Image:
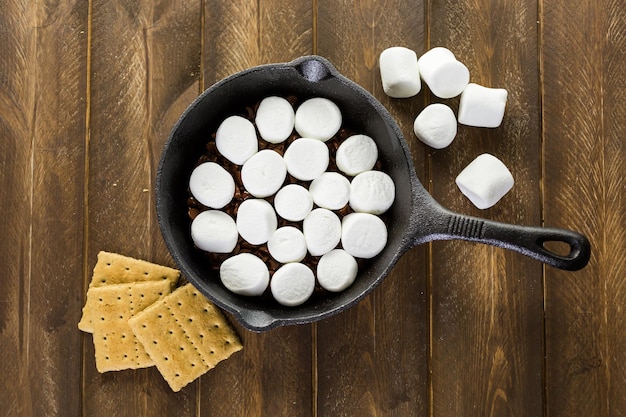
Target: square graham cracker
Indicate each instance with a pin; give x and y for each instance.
(112, 268)
(185, 335)
(116, 346)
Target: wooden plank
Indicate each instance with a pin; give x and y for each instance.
(17, 112)
(486, 302)
(583, 120)
(144, 71)
(272, 375)
(56, 284)
(373, 358)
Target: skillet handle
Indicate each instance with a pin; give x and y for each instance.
(528, 240)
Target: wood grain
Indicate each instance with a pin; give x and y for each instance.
(584, 92)
(272, 375)
(372, 359)
(18, 47)
(137, 77)
(486, 308)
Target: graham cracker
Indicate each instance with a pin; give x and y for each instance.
(185, 335)
(113, 268)
(116, 346)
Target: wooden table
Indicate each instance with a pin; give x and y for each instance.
(89, 91)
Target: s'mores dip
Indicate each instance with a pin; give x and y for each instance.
(287, 202)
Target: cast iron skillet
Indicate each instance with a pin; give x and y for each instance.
(415, 216)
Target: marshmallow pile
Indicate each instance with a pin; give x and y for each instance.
(486, 179)
(300, 194)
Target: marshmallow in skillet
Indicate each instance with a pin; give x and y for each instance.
(212, 185)
(306, 158)
(356, 154)
(322, 231)
(318, 118)
(482, 106)
(275, 119)
(363, 235)
(436, 125)
(485, 181)
(292, 284)
(264, 173)
(214, 231)
(293, 202)
(256, 221)
(287, 244)
(372, 192)
(236, 139)
(399, 72)
(245, 274)
(331, 190)
(336, 270)
(445, 76)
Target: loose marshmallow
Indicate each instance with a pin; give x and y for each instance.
(275, 119)
(212, 185)
(292, 284)
(245, 274)
(318, 118)
(236, 139)
(306, 158)
(372, 192)
(293, 202)
(330, 190)
(399, 72)
(436, 125)
(356, 154)
(256, 221)
(287, 244)
(363, 235)
(445, 76)
(264, 173)
(482, 106)
(322, 231)
(214, 231)
(485, 181)
(336, 270)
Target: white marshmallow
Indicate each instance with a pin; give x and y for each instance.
(275, 119)
(292, 284)
(482, 106)
(264, 173)
(214, 231)
(363, 235)
(356, 154)
(245, 274)
(236, 139)
(436, 125)
(212, 185)
(330, 190)
(485, 181)
(287, 244)
(256, 221)
(293, 202)
(306, 158)
(336, 270)
(322, 231)
(445, 76)
(399, 72)
(318, 118)
(372, 192)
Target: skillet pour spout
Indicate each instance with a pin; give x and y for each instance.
(414, 218)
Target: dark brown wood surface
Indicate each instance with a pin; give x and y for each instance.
(89, 91)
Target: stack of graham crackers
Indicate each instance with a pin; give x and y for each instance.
(140, 318)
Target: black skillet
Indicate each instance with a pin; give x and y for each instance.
(414, 218)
